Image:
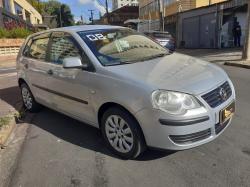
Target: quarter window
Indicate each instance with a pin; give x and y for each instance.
(63, 46)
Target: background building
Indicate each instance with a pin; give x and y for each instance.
(120, 3)
(120, 15)
(18, 13)
(149, 11)
(196, 23)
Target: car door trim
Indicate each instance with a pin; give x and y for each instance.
(61, 94)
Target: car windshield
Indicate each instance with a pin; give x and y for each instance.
(121, 46)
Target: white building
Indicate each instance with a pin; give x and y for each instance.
(120, 3)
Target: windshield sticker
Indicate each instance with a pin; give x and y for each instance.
(124, 44)
(95, 37)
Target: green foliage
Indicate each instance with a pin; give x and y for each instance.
(14, 33)
(3, 33)
(60, 13)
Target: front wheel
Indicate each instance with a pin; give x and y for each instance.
(122, 133)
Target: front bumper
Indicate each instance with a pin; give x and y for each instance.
(165, 132)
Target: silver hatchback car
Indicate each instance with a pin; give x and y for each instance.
(129, 86)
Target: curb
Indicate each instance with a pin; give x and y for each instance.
(237, 65)
(6, 131)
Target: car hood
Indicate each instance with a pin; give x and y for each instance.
(175, 72)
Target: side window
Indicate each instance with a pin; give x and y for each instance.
(62, 46)
(38, 48)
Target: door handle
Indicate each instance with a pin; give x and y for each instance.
(50, 72)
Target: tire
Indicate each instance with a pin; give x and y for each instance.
(122, 133)
(29, 101)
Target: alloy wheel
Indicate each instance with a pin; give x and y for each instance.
(27, 98)
(119, 134)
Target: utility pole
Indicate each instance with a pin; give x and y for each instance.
(91, 16)
(246, 50)
(160, 15)
(179, 10)
(60, 16)
(107, 10)
(163, 15)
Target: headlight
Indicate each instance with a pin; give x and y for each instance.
(174, 102)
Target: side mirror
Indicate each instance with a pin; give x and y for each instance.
(73, 62)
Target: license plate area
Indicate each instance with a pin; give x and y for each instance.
(227, 113)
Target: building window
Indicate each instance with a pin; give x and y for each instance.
(168, 2)
(18, 10)
(6, 5)
(27, 15)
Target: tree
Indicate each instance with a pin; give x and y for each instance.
(63, 16)
(246, 50)
(57, 13)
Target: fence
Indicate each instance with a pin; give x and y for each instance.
(10, 47)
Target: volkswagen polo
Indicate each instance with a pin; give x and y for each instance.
(137, 93)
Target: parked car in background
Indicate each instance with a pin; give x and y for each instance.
(164, 38)
(137, 93)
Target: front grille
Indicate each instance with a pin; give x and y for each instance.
(219, 127)
(214, 98)
(191, 138)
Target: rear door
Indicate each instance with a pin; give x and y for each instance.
(68, 88)
(34, 61)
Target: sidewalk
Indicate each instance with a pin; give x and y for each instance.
(8, 110)
(12, 135)
(7, 61)
(231, 56)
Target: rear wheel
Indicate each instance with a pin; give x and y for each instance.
(122, 133)
(28, 99)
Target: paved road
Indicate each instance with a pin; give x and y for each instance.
(60, 151)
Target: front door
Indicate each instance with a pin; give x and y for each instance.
(68, 88)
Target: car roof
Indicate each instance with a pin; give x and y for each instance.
(80, 28)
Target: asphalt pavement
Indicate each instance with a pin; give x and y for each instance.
(60, 151)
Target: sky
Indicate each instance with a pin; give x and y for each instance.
(81, 7)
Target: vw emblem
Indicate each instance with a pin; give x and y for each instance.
(223, 94)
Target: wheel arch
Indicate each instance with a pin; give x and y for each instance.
(21, 81)
(104, 107)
